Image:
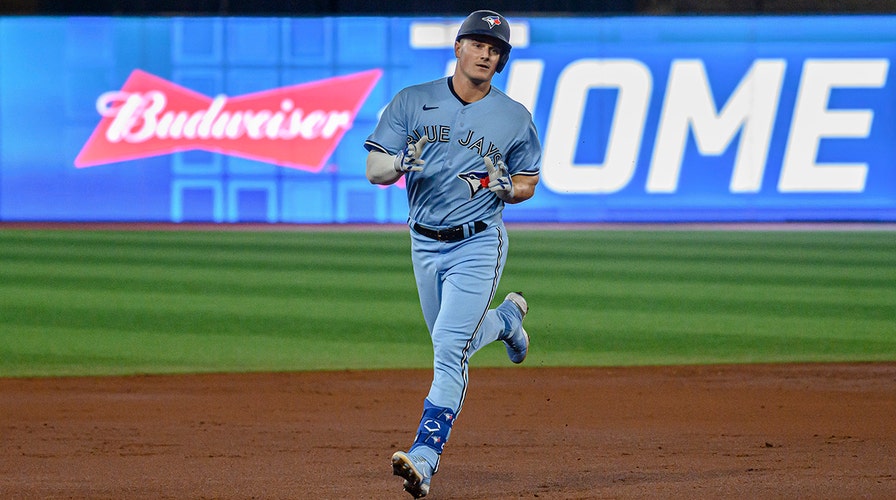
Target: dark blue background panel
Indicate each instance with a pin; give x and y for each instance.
(642, 119)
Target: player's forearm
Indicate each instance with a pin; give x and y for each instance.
(523, 188)
(381, 168)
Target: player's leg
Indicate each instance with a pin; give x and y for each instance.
(505, 322)
(456, 283)
(470, 275)
(463, 308)
(420, 462)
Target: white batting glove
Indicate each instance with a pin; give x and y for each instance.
(408, 159)
(499, 181)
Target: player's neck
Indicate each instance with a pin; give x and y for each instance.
(468, 90)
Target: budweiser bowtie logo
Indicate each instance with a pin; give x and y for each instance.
(297, 126)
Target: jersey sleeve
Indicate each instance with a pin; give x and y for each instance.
(390, 134)
(525, 157)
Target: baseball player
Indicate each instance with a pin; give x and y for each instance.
(465, 149)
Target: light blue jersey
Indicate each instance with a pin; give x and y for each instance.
(449, 190)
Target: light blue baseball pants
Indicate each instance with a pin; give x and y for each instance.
(456, 282)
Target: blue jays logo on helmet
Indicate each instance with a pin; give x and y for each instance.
(492, 21)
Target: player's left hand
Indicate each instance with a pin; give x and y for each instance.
(499, 181)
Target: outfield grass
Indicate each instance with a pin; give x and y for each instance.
(121, 302)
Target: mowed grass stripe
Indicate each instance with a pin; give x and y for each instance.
(199, 280)
(211, 250)
(680, 296)
(120, 301)
(78, 351)
(310, 295)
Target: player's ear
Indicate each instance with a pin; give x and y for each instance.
(457, 49)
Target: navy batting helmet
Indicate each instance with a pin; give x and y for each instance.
(491, 24)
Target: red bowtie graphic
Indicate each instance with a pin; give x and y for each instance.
(297, 126)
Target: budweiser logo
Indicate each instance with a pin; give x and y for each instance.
(297, 126)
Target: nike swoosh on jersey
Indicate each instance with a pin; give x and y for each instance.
(427, 108)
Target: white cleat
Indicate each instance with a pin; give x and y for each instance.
(414, 470)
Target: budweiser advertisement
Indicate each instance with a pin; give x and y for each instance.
(297, 126)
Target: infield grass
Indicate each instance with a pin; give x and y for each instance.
(125, 302)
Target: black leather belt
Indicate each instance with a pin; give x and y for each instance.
(455, 233)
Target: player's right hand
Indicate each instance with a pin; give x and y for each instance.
(408, 159)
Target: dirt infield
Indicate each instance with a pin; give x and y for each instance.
(765, 431)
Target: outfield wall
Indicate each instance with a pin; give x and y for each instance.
(263, 119)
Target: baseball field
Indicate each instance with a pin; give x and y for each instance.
(289, 362)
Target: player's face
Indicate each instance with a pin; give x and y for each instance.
(477, 58)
